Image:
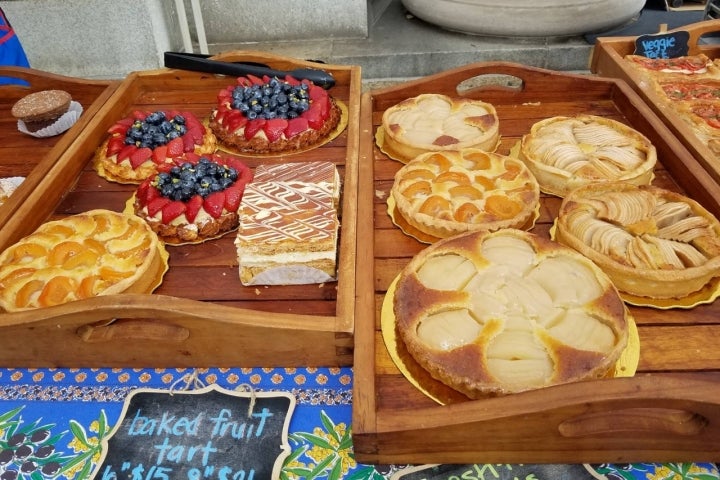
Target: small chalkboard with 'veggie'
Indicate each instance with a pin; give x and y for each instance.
(663, 45)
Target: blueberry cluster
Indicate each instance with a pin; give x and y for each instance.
(155, 130)
(275, 99)
(184, 182)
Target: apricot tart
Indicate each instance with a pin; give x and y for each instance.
(138, 144)
(98, 252)
(508, 311)
(442, 194)
(651, 242)
(567, 152)
(273, 115)
(194, 200)
(436, 123)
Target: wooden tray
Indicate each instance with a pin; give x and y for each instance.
(669, 411)
(608, 60)
(201, 315)
(22, 155)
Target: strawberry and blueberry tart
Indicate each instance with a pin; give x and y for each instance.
(138, 144)
(273, 115)
(195, 199)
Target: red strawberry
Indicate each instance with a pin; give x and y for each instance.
(235, 120)
(195, 132)
(115, 144)
(126, 152)
(314, 116)
(292, 80)
(140, 156)
(156, 204)
(172, 210)
(192, 207)
(316, 92)
(171, 113)
(233, 196)
(147, 192)
(159, 154)
(214, 204)
(295, 126)
(252, 127)
(175, 147)
(121, 126)
(266, 78)
(188, 143)
(138, 115)
(255, 80)
(242, 81)
(192, 157)
(274, 128)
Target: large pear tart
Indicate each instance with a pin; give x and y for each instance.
(651, 242)
(98, 252)
(567, 152)
(508, 311)
(435, 123)
(446, 193)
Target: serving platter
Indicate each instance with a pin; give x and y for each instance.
(668, 411)
(201, 315)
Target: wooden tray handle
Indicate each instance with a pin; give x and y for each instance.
(696, 31)
(41, 80)
(655, 420)
(133, 329)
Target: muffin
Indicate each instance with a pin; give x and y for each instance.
(46, 109)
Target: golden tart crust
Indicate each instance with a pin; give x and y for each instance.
(435, 123)
(567, 152)
(98, 252)
(651, 242)
(508, 311)
(446, 193)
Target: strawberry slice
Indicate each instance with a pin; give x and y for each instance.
(255, 79)
(147, 192)
(126, 152)
(243, 82)
(140, 156)
(214, 204)
(139, 115)
(175, 147)
(172, 210)
(159, 155)
(188, 143)
(316, 92)
(235, 120)
(121, 126)
(274, 128)
(295, 126)
(192, 157)
(192, 207)
(156, 205)
(313, 115)
(292, 80)
(233, 196)
(252, 127)
(115, 144)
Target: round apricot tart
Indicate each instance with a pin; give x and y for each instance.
(98, 252)
(194, 200)
(508, 311)
(446, 193)
(651, 242)
(273, 115)
(138, 144)
(567, 152)
(437, 123)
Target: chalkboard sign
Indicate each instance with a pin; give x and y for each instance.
(204, 434)
(494, 471)
(663, 45)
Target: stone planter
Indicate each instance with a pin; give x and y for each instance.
(525, 18)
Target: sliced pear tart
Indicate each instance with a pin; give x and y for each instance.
(508, 311)
(567, 152)
(651, 242)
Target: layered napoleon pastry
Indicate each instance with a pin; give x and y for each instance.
(98, 252)
(319, 173)
(438, 123)
(651, 242)
(567, 152)
(288, 231)
(508, 311)
(446, 193)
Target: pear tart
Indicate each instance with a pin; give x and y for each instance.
(442, 194)
(98, 252)
(567, 152)
(508, 311)
(651, 242)
(436, 123)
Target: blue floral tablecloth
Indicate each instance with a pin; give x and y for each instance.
(53, 421)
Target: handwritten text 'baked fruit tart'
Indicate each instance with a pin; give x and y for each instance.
(99, 252)
(651, 242)
(443, 194)
(437, 123)
(567, 152)
(508, 311)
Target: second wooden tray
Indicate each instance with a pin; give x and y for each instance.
(201, 315)
(669, 411)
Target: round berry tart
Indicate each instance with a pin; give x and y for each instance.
(273, 115)
(138, 144)
(194, 200)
